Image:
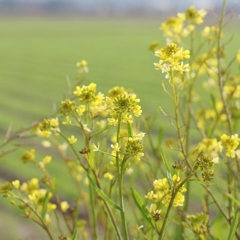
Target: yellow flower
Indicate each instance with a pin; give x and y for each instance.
(134, 147)
(238, 56)
(230, 143)
(51, 206)
(108, 176)
(54, 122)
(67, 106)
(86, 93)
(68, 121)
(82, 66)
(115, 147)
(80, 110)
(47, 159)
(171, 58)
(46, 144)
(206, 31)
(28, 156)
(64, 206)
(16, 183)
(72, 140)
(172, 28)
(192, 16)
(163, 192)
(31, 186)
(32, 197)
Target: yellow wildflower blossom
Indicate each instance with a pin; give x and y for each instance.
(28, 156)
(172, 28)
(82, 66)
(171, 59)
(47, 159)
(238, 56)
(16, 183)
(108, 176)
(32, 197)
(163, 192)
(85, 93)
(72, 140)
(230, 144)
(64, 206)
(193, 16)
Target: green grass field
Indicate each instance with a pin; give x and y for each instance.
(38, 54)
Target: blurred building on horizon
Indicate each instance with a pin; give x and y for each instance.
(109, 7)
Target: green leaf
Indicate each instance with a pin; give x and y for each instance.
(233, 226)
(213, 100)
(139, 203)
(130, 130)
(160, 135)
(169, 175)
(234, 199)
(75, 234)
(91, 159)
(102, 195)
(102, 130)
(44, 204)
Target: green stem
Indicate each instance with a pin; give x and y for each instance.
(41, 223)
(93, 215)
(221, 81)
(120, 182)
(174, 193)
(107, 207)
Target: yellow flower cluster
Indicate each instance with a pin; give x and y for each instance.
(134, 147)
(193, 16)
(238, 56)
(120, 103)
(28, 156)
(36, 195)
(176, 27)
(87, 95)
(198, 223)
(163, 193)
(82, 66)
(230, 144)
(47, 126)
(171, 59)
(212, 147)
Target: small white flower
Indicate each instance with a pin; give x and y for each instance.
(96, 148)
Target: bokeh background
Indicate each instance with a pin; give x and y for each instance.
(40, 43)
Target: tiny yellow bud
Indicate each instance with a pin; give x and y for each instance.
(54, 122)
(108, 176)
(16, 183)
(64, 206)
(32, 197)
(47, 159)
(72, 140)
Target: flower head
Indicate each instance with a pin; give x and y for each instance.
(67, 106)
(82, 66)
(86, 93)
(230, 144)
(28, 156)
(193, 16)
(72, 140)
(171, 58)
(64, 206)
(163, 192)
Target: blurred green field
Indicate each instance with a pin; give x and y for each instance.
(38, 54)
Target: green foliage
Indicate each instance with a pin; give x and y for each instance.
(112, 164)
